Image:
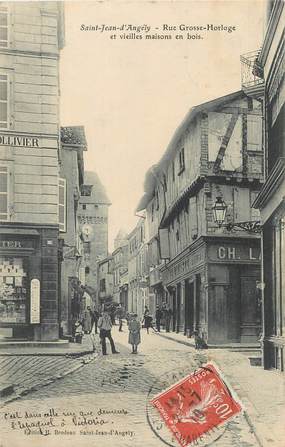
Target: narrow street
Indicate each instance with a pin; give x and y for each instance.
(119, 385)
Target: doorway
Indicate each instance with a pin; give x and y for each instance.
(189, 307)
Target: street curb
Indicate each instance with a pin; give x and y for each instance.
(49, 380)
(47, 354)
(186, 343)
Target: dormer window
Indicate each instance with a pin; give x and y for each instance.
(181, 161)
(86, 190)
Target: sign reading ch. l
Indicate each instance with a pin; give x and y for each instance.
(35, 302)
(239, 253)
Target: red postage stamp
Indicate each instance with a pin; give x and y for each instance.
(196, 405)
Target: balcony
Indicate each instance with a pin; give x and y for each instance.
(252, 80)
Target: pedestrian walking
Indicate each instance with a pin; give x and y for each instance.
(134, 333)
(78, 332)
(147, 321)
(168, 314)
(87, 320)
(105, 326)
(120, 315)
(94, 320)
(158, 316)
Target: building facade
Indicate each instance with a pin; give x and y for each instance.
(138, 288)
(32, 35)
(105, 281)
(73, 144)
(271, 200)
(120, 268)
(210, 273)
(93, 224)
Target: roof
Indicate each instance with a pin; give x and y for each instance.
(98, 192)
(152, 174)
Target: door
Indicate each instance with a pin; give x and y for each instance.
(189, 307)
(178, 307)
(249, 310)
(218, 313)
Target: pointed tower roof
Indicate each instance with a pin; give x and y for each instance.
(98, 192)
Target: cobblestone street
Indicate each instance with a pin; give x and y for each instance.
(120, 385)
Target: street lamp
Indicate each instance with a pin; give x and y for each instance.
(219, 211)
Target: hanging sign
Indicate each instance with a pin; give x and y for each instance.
(35, 302)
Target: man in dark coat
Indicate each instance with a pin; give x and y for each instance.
(158, 316)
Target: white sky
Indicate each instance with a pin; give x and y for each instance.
(130, 95)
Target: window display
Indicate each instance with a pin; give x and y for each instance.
(13, 290)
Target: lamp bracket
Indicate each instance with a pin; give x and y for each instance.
(251, 227)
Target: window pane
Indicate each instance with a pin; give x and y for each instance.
(3, 182)
(3, 33)
(61, 214)
(3, 19)
(3, 203)
(3, 112)
(3, 91)
(61, 195)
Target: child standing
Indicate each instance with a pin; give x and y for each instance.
(134, 333)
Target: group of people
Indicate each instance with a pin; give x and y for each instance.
(106, 320)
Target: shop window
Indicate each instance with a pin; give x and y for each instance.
(13, 290)
(4, 101)
(4, 37)
(181, 161)
(4, 193)
(62, 205)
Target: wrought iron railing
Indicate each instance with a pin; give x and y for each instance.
(251, 70)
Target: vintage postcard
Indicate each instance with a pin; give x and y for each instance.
(142, 223)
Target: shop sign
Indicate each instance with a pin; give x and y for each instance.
(16, 244)
(183, 267)
(237, 253)
(155, 277)
(18, 141)
(35, 302)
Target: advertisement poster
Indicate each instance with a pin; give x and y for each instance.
(142, 192)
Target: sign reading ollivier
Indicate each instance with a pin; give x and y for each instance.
(35, 301)
(18, 141)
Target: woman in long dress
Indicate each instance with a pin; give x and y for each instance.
(134, 333)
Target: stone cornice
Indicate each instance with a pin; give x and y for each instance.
(271, 28)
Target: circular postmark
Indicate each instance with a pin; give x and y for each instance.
(160, 425)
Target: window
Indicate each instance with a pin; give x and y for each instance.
(4, 193)
(62, 205)
(87, 270)
(102, 285)
(254, 133)
(84, 207)
(152, 211)
(13, 290)
(181, 161)
(4, 101)
(157, 200)
(173, 171)
(86, 190)
(3, 27)
(165, 182)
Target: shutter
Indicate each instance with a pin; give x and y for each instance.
(164, 243)
(3, 193)
(254, 133)
(62, 205)
(4, 96)
(3, 27)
